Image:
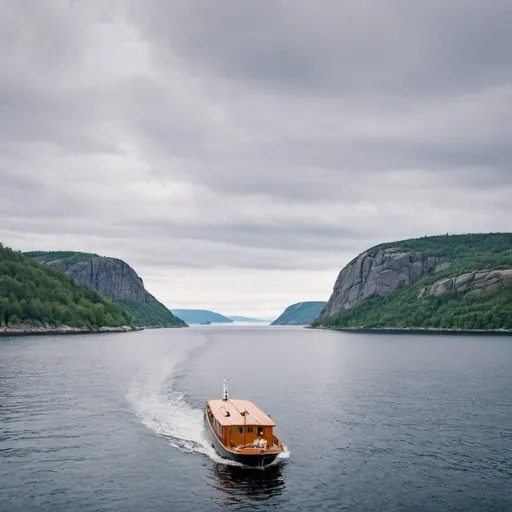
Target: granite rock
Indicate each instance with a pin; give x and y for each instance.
(370, 276)
(474, 283)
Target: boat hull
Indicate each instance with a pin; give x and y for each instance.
(249, 460)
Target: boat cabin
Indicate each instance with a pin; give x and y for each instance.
(239, 423)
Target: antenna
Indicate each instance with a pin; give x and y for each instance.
(225, 391)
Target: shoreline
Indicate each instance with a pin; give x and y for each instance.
(63, 330)
(418, 330)
(146, 327)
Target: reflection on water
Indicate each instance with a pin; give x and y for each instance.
(239, 483)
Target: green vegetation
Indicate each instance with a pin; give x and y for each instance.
(154, 314)
(36, 294)
(145, 310)
(451, 310)
(301, 313)
(68, 258)
(453, 246)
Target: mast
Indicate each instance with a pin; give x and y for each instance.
(225, 390)
(245, 427)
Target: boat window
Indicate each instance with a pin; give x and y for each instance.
(249, 429)
(240, 430)
(260, 431)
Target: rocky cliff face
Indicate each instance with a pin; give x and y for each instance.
(114, 279)
(369, 276)
(110, 277)
(474, 283)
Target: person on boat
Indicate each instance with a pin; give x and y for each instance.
(260, 443)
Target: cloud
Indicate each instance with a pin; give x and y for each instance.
(238, 155)
(339, 46)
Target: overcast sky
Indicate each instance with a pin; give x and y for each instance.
(239, 153)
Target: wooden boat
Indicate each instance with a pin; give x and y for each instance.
(241, 432)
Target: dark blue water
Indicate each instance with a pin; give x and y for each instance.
(372, 423)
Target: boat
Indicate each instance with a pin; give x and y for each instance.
(206, 322)
(240, 431)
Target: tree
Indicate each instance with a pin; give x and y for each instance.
(14, 320)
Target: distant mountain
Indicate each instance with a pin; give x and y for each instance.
(197, 316)
(301, 313)
(114, 279)
(237, 318)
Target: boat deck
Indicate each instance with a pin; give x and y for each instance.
(239, 412)
(250, 449)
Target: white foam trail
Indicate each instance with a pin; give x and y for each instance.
(285, 454)
(164, 410)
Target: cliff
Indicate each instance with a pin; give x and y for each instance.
(369, 276)
(457, 281)
(110, 277)
(301, 313)
(115, 279)
(37, 299)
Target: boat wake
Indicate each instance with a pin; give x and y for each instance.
(164, 410)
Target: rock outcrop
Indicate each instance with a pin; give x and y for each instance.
(111, 277)
(474, 283)
(114, 279)
(430, 282)
(369, 276)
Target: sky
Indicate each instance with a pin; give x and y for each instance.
(239, 154)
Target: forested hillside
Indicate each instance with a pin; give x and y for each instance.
(301, 313)
(32, 293)
(114, 279)
(467, 285)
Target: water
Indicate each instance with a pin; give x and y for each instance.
(371, 423)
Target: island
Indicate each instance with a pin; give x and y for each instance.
(199, 316)
(238, 318)
(452, 283)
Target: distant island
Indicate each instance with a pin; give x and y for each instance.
(448, 282)
(200, 316)
(237, 318)
(301, 313)
(114, 279)
(35, 298)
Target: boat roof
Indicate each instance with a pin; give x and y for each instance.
(229, 412)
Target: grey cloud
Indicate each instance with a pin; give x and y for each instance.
(66, 120)
(285, 237)
(266, 135)
(333, 47)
